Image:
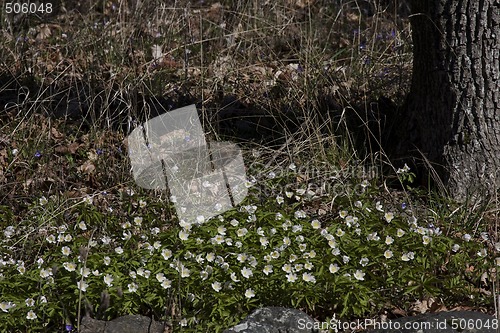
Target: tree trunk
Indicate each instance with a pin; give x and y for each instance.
(454, 104)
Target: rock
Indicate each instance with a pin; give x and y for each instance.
(275, 320)
(442, 322)
(125, 324)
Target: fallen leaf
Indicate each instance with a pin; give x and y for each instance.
(44, 32)
(56, 134)
(87, 167)
(69, 149)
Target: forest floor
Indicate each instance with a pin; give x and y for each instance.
(306, 88)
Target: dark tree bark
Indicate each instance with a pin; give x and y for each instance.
(453, 108)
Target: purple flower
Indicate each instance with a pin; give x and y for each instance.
(99, 151)
(68, 328)
(38, 154)
(403, 205)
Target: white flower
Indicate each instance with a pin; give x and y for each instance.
(379, 206)
(389, 216)
(66, 251)
(291, 277)
(29, 302)
(200, 219)
(165, 284)
(340, 232)
(69, 266)
(268, 269)
(185, 272)
(308, 277)
(455, 248)
(82, 285)
(183, 235)
(389, 240)
(388, 254)
(166, 254)
(405, 257)
(82, 225)
(43, 299)
(142, 203)
(332, 243)
(45, 273)
(119, 250)
(426, 239)
(358, 204)
(343, 213)
(249, 293)
(51, 239)
(364, 261)
(43, 200)
(345, 259)
(5, 306)
(242, 257)
(467, 237)
(400, 233)
(88, 200)
(210, 256)
(316, 224)
(335, 251)
(108, 279)
(246, 272)
(482, 253)
(300, 214)
(132, 287)
(31, 315)
(9, 231)
(160, 277)
(138, 220)
(85, 271)
(242, 232)
(271, 175)
(217, 286)
(218, 239)
(107, 260)
(373, 236)
(280, 199)
(405, 169)
(287, 268)
(359, 275)
(221, 230)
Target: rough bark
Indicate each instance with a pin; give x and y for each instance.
(454, 104)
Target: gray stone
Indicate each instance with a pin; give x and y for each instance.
(442, 322)
(125, 324)
(275, 320)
